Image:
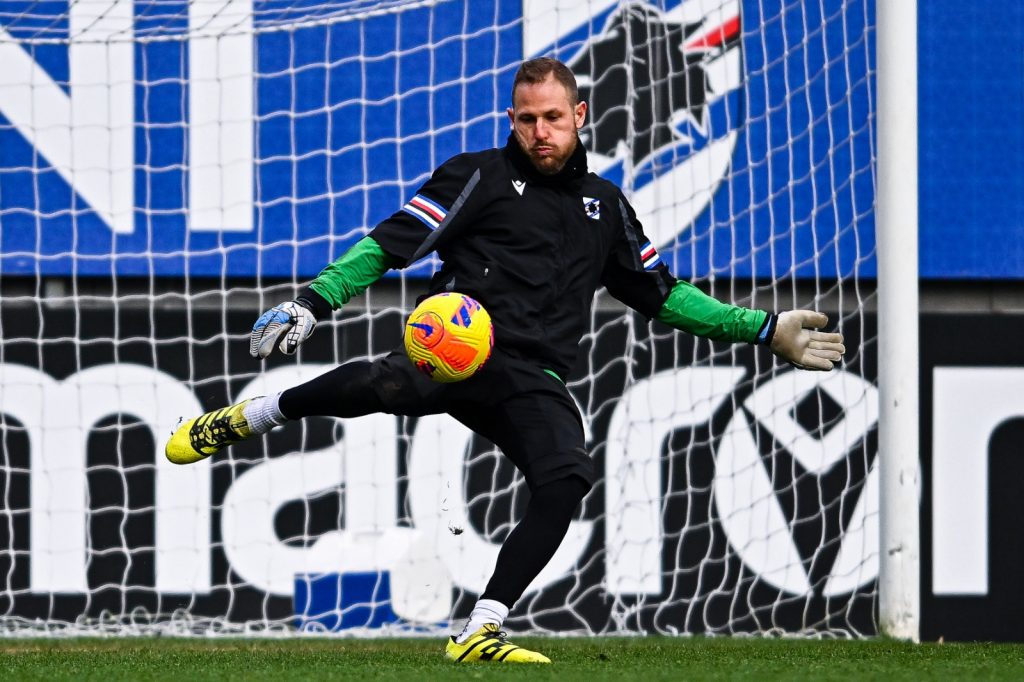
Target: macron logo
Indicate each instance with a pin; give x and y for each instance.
(520, 185)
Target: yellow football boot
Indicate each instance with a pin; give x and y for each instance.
(208, 434)
(490, 644)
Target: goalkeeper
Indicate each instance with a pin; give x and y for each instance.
(531, 234)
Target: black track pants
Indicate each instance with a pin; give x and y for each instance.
(532, 543)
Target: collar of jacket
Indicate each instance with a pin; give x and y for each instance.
(574, 169)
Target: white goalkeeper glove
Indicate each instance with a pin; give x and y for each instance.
(796, 342)
(289, 323)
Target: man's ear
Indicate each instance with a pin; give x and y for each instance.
(511, 117)
(580, 114)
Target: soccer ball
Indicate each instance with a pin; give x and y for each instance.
(449, 337)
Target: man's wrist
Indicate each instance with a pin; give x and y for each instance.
(767, 331)
(317, 304)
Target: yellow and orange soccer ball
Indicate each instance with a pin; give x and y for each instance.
(449, 337)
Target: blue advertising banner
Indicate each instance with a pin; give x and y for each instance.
(262, 139)
(971, 131)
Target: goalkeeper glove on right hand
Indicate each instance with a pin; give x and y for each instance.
(289, 323)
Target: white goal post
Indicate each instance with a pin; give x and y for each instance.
(899, 588)
(168, 169)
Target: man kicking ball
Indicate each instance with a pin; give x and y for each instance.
(531, 234)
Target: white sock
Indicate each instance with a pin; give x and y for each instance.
(486, 611)
(263, 413)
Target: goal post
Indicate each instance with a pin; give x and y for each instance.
(899, 589)
(170, 169)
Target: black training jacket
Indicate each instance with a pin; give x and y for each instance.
(531, 248)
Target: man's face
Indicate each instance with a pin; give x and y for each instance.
(545, 123)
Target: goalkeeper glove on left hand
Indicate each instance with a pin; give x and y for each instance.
(796, 341)
(291, 323)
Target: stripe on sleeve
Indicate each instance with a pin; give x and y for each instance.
(430, 213)
(649, 256)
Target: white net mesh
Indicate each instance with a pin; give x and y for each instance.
(169, 169)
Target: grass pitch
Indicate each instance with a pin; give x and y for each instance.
(591, 659)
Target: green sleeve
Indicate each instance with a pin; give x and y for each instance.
(691, 310)
(353, 272)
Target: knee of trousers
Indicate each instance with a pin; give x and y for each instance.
(402, 389)
(559, 499)
(562, 466)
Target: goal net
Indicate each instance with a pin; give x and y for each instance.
(169, 169)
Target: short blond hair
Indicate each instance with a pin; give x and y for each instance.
(537, 71)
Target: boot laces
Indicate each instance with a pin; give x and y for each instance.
(499, 635)
(215, 432)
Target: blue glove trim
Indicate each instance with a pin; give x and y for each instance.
(275, 314)
(767, 331)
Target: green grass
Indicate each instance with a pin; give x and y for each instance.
(591, 659)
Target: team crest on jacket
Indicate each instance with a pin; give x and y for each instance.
(592, 207)
(663, 86)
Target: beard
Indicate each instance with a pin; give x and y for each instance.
(553, 160)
